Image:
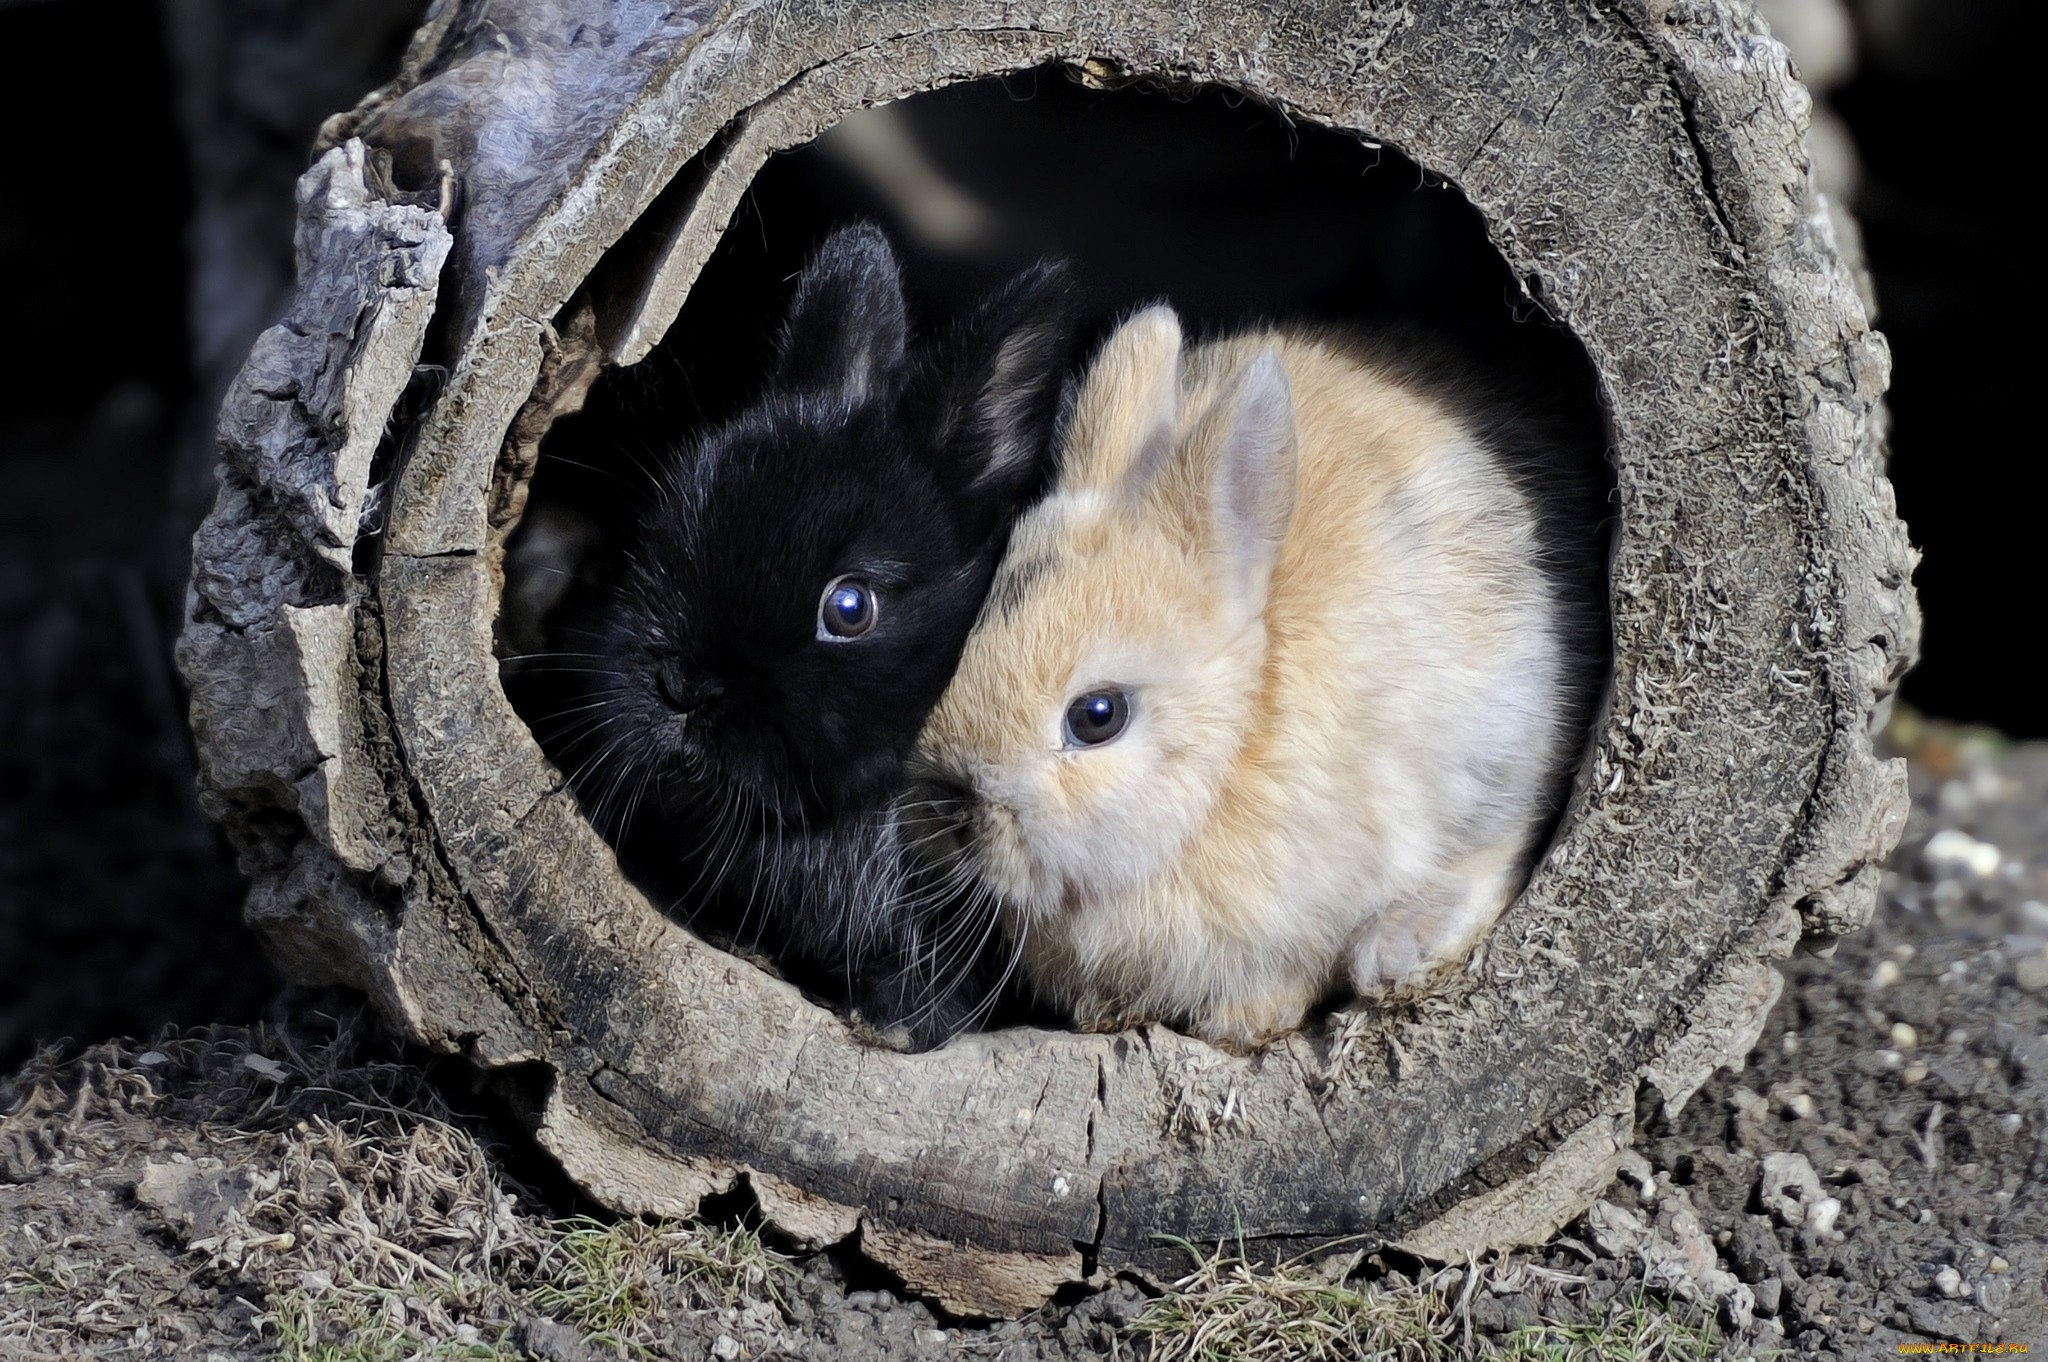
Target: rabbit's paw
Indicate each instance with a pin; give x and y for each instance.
(1414, 942)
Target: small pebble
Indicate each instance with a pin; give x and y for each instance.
(1949, 1281)
(1952, 850)
(1926, 1216)
(1823, 1214)
(1886, 974)
(1904, 952)
(2034, 914)
(2011, 1122)
(1799, 1107)
(1891, 1059)
(2031, 973)
(1990, 785)
(1956, 1035)
(1915, 1074)
(265, 1067)
(1904, 1037)
(1790, 1044)
(1997, 1264)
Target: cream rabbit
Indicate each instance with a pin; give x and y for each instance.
(1270, 696)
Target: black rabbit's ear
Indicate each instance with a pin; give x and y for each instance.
(846, 326)
(1000, 415)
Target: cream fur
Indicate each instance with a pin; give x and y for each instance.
(1343, 730)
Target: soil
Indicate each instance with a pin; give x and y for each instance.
(1871, 1180)
(1910, 1072)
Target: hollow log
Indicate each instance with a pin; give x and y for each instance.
(531, 201)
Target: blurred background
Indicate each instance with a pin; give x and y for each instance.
(145, 238)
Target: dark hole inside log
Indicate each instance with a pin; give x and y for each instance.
(1203, 197)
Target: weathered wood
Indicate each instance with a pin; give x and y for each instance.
(1639, 165)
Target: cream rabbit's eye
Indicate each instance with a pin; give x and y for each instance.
(847, 610)
(1097, 716)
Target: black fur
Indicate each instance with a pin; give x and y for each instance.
(749, 766)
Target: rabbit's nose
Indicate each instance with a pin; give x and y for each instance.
(684, 693)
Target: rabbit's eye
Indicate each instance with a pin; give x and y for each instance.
(1097, 717)
(847, 610)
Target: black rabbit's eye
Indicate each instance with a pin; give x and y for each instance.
(1098, 716)
(847, 609)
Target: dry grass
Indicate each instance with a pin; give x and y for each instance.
(1226, 1310)
(328, 1183)
(615, 1282)
(64, 1292)
(60, 1301)
(1639, 1330)
(354, 1324)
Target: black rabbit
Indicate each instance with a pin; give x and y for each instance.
(794, 601)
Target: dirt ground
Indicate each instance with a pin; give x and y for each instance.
(1872, 1180)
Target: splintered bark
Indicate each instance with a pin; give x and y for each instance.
(482, 236)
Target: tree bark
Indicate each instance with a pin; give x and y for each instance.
(483, 234)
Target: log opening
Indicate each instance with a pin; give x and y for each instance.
(1204, 196)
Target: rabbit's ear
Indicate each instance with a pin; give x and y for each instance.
(846, 327)
(1127, 417)
(1001, 401)
(1251, 490)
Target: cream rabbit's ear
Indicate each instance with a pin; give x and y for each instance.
(1251, 490)
(1125, 419)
